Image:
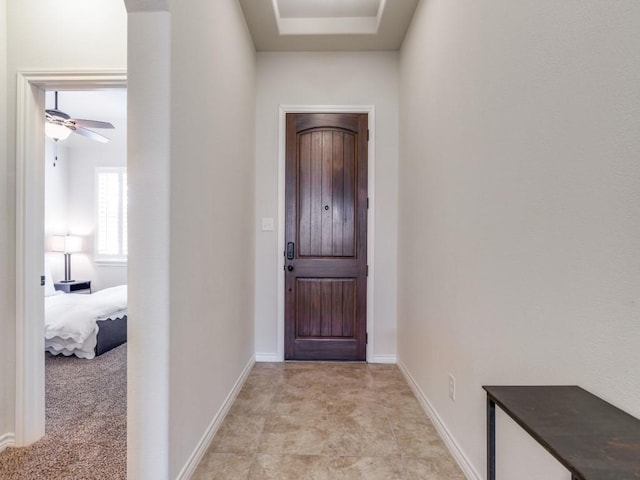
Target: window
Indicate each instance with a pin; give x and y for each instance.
(111, 232)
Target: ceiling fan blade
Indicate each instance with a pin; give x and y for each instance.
(57, 114)
(91, 123)
(90, 134)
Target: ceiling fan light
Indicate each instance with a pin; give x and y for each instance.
(56, 131)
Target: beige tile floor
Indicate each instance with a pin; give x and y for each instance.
(326, 421)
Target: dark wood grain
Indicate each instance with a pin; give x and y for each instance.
(326, 208)
(349, 201)
(315, 310)
(593, 439)
(337, 194)
(349, 309)
(327, 194)
(326, 308)
(304, 210)
(302, 311)
(316, 193)
(337, 317)
(327, 191)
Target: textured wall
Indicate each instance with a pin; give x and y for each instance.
(520, 208)
(149, 278)
(212, 198)
(7, 359)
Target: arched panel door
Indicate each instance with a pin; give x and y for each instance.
(326, 236)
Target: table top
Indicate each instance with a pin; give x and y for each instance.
(590, 437)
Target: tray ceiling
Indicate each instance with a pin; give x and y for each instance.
(326, 25)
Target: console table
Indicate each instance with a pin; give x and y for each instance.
(593, 439)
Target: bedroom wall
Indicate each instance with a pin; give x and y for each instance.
(56, 192)
(212, 216)
(83, 159)
(56, 188)
(101, 25)
(70, 190)
(519, 209)
(365, 78)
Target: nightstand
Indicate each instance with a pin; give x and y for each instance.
(77, 286)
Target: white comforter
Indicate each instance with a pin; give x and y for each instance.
(70, 319)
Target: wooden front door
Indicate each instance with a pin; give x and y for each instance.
(326, 236)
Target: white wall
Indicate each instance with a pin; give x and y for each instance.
(329, 78)
(148, 175)
(7, 359)
(56, 190)
(101, 26)
(70, 204)
(212, 212)
(83, 159)
(520, 209)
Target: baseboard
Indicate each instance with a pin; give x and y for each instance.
(268, 357)
(7, 440)
(449, 440)
(274, 357)
(193, 461)
(391, 359)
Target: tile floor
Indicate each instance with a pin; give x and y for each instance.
(333, 421)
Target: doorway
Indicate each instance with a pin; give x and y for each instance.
(30, 395)
(326, 190)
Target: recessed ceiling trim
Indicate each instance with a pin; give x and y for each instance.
(328, 26)
(384, 30)
(328, 8)
(334, 25)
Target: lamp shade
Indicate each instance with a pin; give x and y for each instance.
(66, 243)
(56, 131)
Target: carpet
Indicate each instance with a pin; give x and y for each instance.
(86, 422)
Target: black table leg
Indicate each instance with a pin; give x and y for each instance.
(491, 439)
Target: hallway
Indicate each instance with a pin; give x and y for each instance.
(327, 421)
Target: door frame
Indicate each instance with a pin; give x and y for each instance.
(370, 111)
(31, 87)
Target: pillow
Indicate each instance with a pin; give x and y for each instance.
(49, 289)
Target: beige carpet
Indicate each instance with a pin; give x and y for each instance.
(85, 423)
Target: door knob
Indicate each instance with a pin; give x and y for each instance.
(290, 268)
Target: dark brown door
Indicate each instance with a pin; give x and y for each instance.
(326, 236)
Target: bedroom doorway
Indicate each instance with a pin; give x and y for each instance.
(85, 200)
(30, 236)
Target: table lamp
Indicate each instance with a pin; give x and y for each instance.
(66, 244)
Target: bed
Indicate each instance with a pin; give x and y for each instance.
(84, 325)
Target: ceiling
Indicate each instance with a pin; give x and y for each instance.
(275, 25)
(328, 25)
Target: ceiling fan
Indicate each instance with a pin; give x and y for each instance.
(60, 125)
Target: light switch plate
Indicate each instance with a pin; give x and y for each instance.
(267, 224)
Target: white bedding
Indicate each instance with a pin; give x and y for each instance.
(70, 319)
